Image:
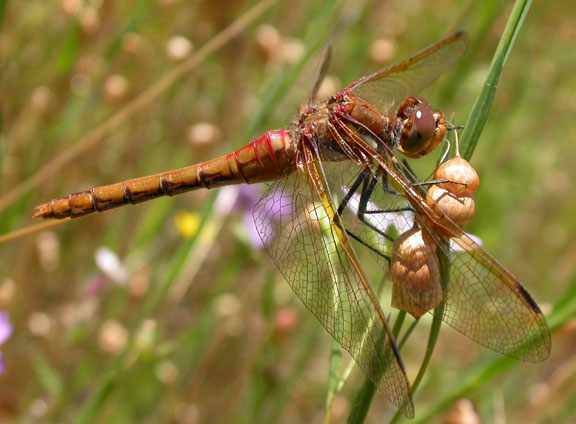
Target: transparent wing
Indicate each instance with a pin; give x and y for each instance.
(483, 301)
(295, 225)
(390, 86)
(487, 303)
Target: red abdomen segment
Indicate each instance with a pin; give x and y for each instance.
(266, 158)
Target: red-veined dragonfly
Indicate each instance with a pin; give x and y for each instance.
(337, 185)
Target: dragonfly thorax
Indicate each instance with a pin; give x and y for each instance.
(313, 126)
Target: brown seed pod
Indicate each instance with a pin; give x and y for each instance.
(458, 209)
(458, 170)
(456, 201)
(415, 273)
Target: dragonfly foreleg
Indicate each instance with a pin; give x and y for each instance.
(442, 181)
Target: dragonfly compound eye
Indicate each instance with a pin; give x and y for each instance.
(420, 133)
(424, 123)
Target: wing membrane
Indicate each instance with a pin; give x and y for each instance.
(294, 223)
(484, 301)
(390, 86)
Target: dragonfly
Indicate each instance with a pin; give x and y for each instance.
(337, 185)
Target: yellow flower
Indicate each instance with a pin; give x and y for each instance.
(187, 223)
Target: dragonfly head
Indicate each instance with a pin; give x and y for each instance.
(422, 129)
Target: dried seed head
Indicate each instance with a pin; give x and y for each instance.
(41, 99)
(268, 38)
(463, 412)
(40, 324)
(285, 321)
(458, 170)
(454, 199)
(167, 372)
(415, 273)
(72, 7)
(328, 87)
(291, 51)
(116, 88)
(178, 48)
(112, 336)
(458, 209)
(133, 43)
(383, 50)
(204, 134)
(89, 20)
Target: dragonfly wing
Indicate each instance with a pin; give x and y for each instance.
(483, 299)
(390, 86)
(485, 302)
(295, 225)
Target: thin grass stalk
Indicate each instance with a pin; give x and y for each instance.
(481, 109)
(335, 374)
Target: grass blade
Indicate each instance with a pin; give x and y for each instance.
(481, 109)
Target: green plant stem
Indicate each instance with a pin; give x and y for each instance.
(481, 109)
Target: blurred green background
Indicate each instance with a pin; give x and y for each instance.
(194, 323)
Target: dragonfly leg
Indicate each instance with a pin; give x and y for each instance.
(367, 190)
(443, 181)
(353, 189)
(367, 182)
(363, 243)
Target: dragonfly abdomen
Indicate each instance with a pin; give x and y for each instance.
(264, 159)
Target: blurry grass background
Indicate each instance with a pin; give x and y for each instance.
(195, 324)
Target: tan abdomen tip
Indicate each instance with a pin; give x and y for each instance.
(43, 211)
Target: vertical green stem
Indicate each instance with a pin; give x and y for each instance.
(481, 109)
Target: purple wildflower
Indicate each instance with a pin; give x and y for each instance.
(5, 333)
(248, 197)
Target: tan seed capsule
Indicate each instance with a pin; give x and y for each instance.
(454, 199)
(458, 170)
(415, 273)
(458, 209)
